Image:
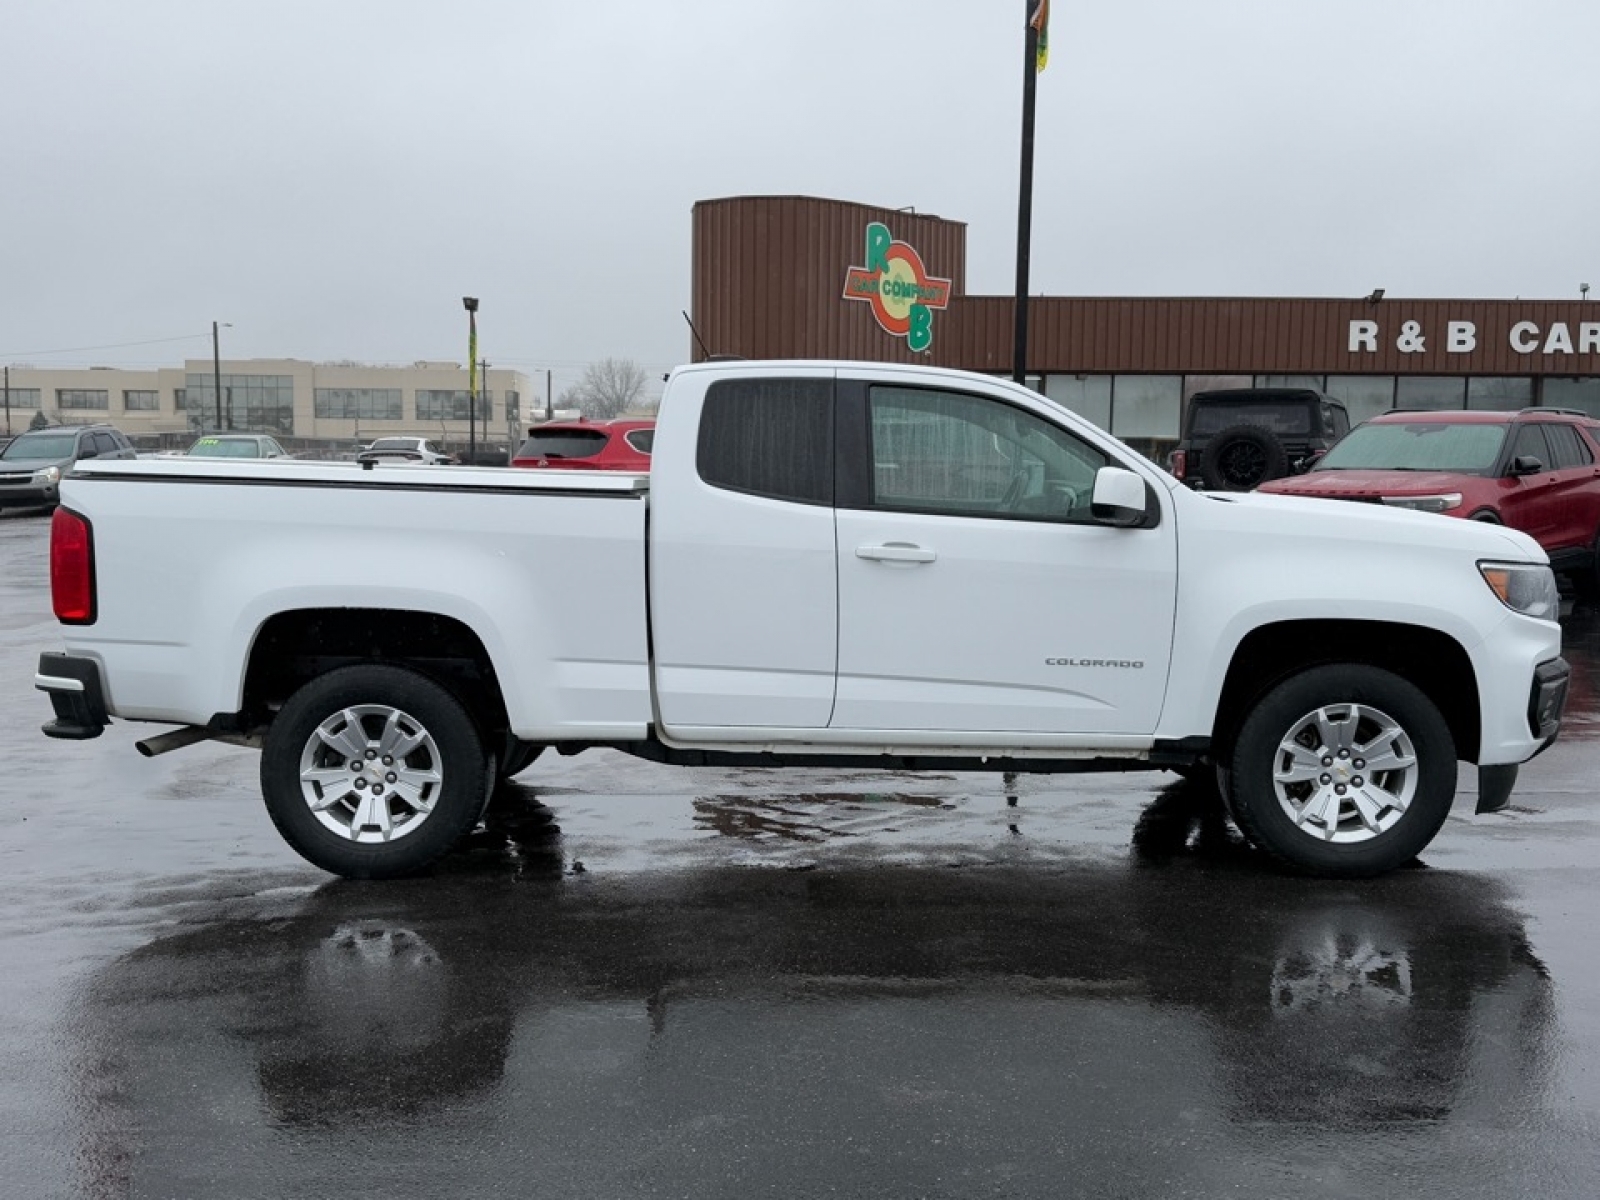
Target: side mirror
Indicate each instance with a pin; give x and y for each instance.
(1119, 497)
(1526, 464)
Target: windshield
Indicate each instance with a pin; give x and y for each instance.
(1417, 446)
(40, 445)
(226, 448)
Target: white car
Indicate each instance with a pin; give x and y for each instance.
(414, 449)
(237, 445)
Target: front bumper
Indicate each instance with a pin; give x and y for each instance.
(28, 495)
(1547, 699)
(73, 685)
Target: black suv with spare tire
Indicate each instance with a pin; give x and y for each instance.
(1241, 437)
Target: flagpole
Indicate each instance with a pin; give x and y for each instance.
(1030, 72)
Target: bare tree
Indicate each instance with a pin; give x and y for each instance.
(608, 387)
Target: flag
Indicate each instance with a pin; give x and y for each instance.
(1039, 20)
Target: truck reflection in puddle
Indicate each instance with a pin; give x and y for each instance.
(924, 1019)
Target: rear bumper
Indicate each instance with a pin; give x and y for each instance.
(73, 685)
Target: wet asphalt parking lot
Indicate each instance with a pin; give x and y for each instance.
(710, 983)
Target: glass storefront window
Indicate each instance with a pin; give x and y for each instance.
(1505, 393)
(1087, 395)
(1581, 394)
(1317, 383)
(1430, 391)
(1146, 406)
(1213, 383)
(264, 403)
(1363, 395)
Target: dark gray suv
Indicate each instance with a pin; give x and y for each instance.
(32, 465)
(1241, 437)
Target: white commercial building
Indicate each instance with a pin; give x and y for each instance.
(332, 402)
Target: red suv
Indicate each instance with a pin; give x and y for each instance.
(1537, 470)
(621, 445)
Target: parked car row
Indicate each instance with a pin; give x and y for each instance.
(32, 463)
(1533, 469)
(619, 445)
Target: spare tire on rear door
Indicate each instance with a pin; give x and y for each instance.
(1242, 456)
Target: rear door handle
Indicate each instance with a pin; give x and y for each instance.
(905, 552)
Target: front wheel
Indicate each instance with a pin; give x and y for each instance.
(373, 772)
(1343, 771)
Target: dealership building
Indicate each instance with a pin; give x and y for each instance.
(801, 277)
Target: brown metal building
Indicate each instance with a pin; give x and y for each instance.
(800, 277)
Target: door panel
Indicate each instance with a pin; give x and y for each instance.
(976, 594)
(743, 585)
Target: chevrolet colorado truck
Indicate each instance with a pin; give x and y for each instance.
(829, 564)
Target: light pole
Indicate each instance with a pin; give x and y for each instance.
(216, 374)
(470, 303)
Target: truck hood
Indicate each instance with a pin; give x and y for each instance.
(1366, 484)
(1266, 515)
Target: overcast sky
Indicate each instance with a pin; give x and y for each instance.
(331, 177)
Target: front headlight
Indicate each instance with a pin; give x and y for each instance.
(1524, 588)
(1443, 502)
(48, 476)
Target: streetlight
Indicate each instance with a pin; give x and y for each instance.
(216, 373)
(470, 303)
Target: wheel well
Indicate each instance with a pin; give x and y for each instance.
(1433, 661)
(292, 648)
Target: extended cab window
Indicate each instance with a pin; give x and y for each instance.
(769, 437)
(965, 455)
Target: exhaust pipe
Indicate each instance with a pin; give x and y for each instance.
(175, 739)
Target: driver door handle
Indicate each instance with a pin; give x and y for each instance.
(903, 552)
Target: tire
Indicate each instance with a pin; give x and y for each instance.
(434, 791)
(1311, 736)
(1241, 457)
(520, 759)
(1487, 516)
(1589, 580)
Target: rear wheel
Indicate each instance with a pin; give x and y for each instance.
(373, 772)
(1343, 771)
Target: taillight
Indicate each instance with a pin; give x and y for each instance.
(72, 568)
(1177, 463)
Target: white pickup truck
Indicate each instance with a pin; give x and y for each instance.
(830, 563)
